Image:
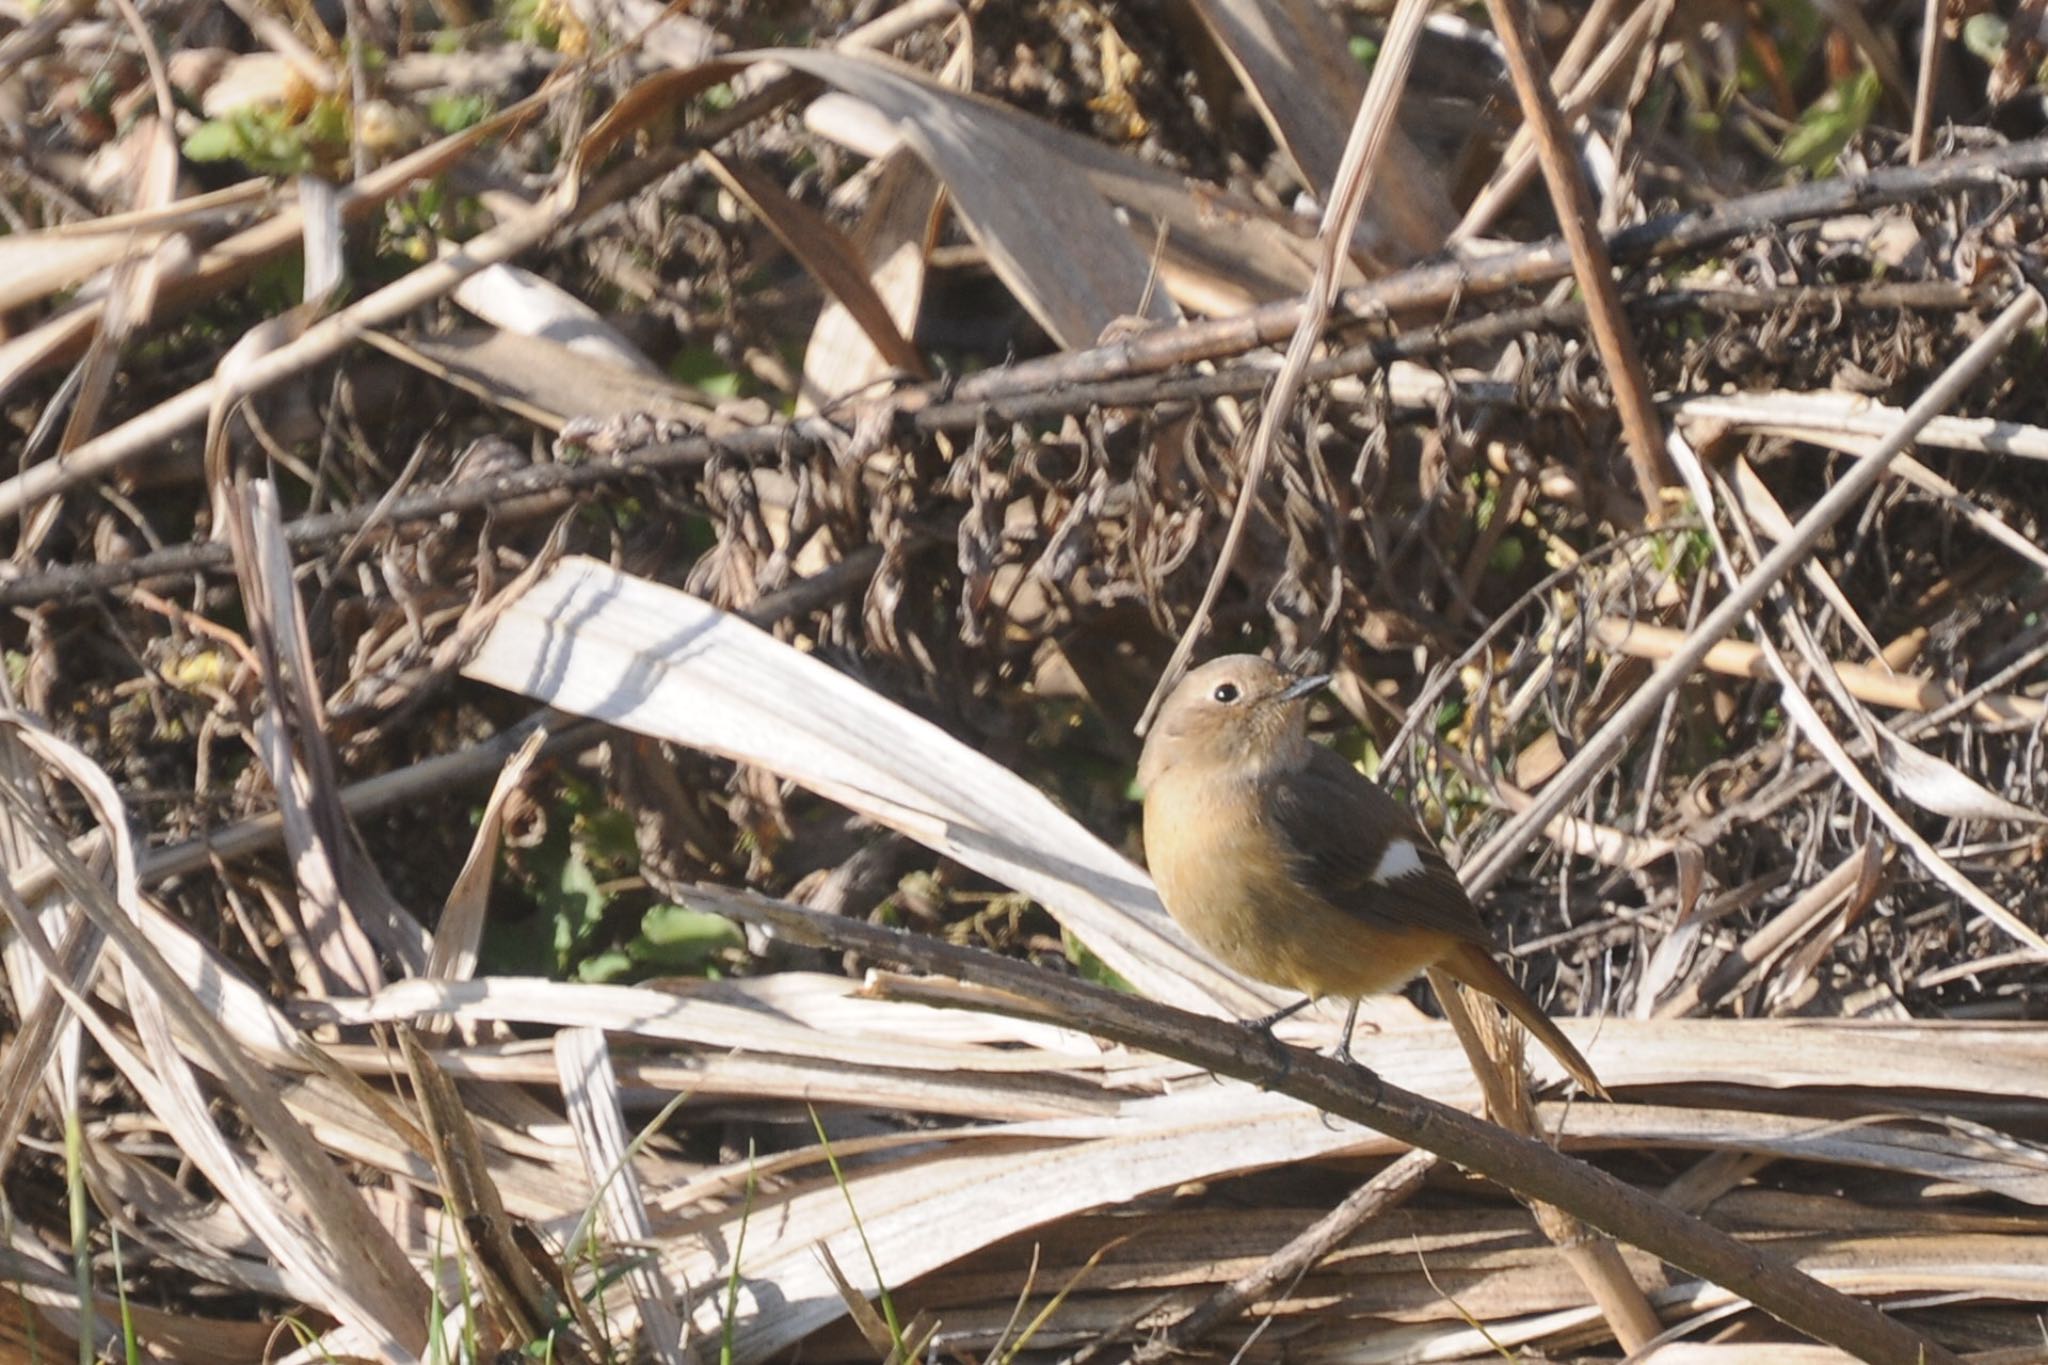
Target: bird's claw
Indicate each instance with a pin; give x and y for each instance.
(1283, 1055)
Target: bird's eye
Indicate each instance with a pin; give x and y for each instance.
(1225, 693)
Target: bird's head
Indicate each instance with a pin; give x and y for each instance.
(1238, 714)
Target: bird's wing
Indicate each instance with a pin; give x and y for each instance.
(1365, 854)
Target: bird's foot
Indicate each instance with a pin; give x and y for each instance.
(1379, 1085)
(1282, 1054)
(1342, 1051)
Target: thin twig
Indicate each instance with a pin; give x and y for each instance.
(1808, 718)
(1759, 945)
(1803, 780)
(1433, 285)
(1930, 77)
(1163, 348)
(1371, 130)
(1807, 416)
(1828, 418)
(1518, 161)
(1741, 659)
(1390, 1187)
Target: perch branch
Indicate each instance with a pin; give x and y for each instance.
(1523, 1165)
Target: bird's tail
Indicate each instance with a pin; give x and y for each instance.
(1474, 966)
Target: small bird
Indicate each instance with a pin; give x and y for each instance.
(1291, 866)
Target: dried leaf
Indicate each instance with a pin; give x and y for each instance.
(1296, 64)
(1937, 785)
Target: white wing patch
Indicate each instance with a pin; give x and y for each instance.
(1400, 859)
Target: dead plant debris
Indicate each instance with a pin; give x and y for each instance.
(924, 343)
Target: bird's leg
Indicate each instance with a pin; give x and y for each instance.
(1342, 1052)
(1265, 1022)
(1263, 1027)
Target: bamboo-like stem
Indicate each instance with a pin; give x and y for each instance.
(1741, 659)
(1493, 1045)
(1930, 77)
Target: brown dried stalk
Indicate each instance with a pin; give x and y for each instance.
(1591, 265)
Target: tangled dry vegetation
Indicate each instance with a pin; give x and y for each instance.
(560, 553)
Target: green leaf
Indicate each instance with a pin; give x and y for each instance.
(1984, 35)
(1830, 121)
(703, 367)
(571, 901)
(1091, 967)
(673, 939)
(214, 140)
(601, 968)
(270, 141)
(326, 123)
(680, 927)
(452, 113)
(607, 838)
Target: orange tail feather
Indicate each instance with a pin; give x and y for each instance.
(1474, 966)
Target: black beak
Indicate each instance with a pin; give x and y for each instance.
(1303, 687)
